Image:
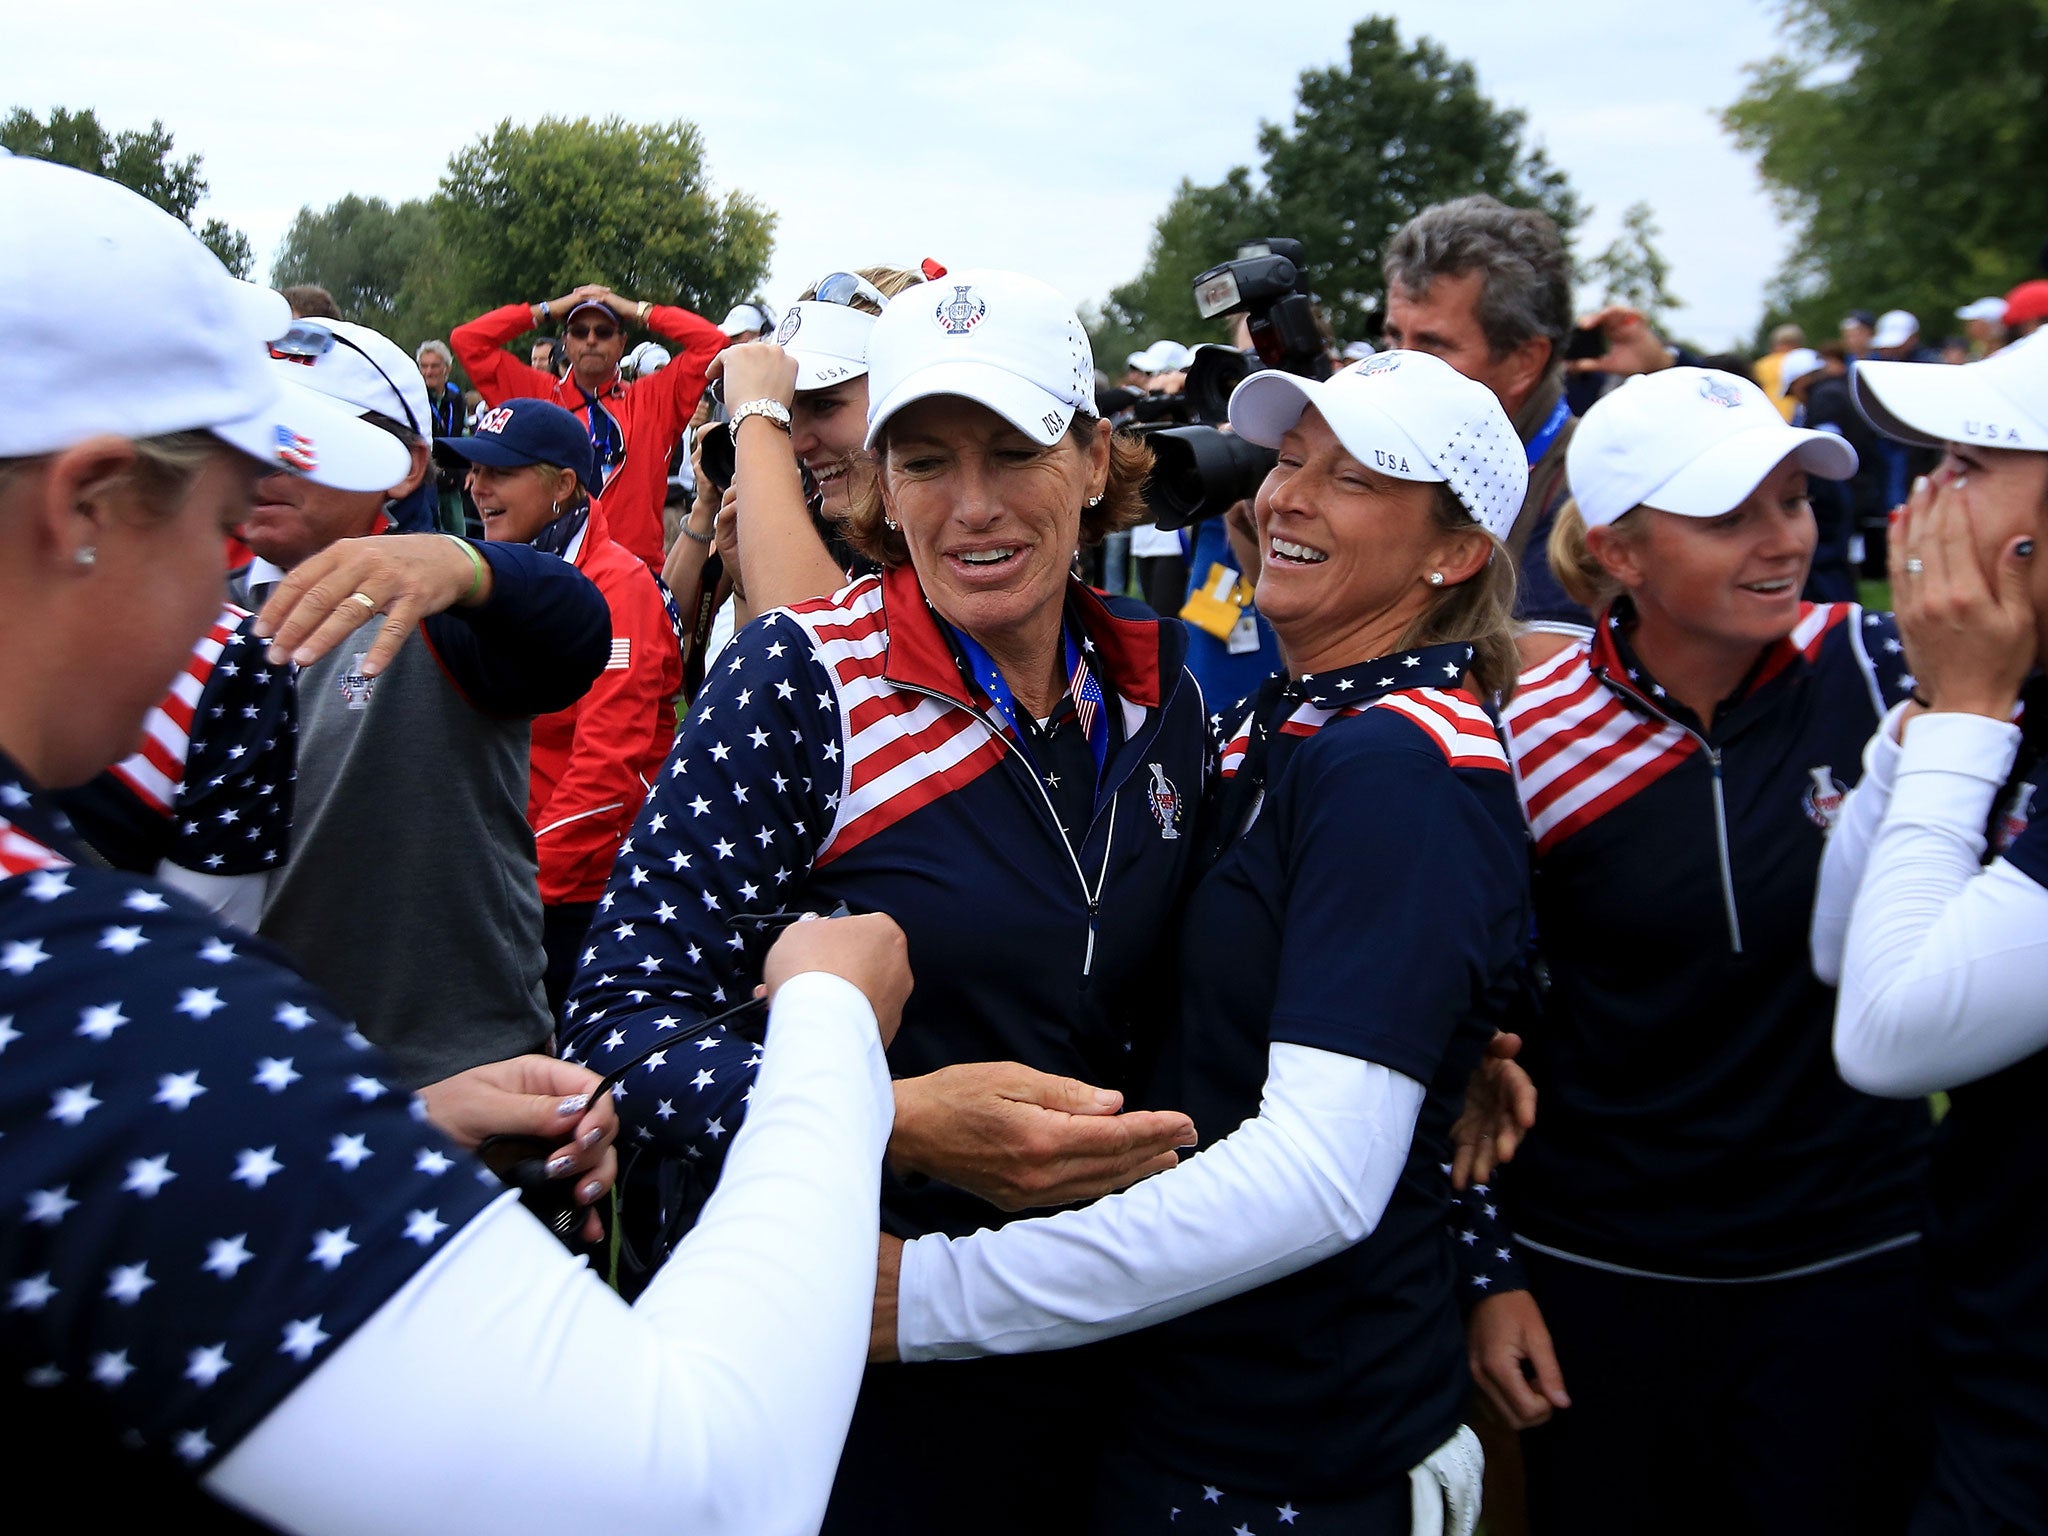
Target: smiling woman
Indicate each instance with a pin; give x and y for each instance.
(1700, 1179)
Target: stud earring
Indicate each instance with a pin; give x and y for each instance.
(1436, 578)
(85, 555)
(889, 523)
(1094, 501)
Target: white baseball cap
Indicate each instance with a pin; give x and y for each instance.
(1405, 414)
(1992, 308)
(649, 357)
(1796, 365)
(1694, 441)
(1357, 351)
(91, 270)
(359, 367)
(1895, 327)
(829, 342)
(1001, 339)
(747, 317)
(1998, 402)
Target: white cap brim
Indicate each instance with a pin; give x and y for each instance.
(1983, 309)
(1039, 415)
(1265, 406)
(1721, 479)
(319, 438)
(829, 342)
(1929, 405)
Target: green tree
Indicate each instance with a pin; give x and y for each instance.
(1903, 140)
(1633, 271)
(528, 213)
(1373, 141)
(381, 264)
(1201, 227)
(142, 162)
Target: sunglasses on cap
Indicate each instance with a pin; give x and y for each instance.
(844, 287)
(308, 341)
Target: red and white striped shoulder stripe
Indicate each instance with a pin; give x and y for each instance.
(1578, 750)
(155, 770)
(21, 854)
(904, 749)
(1455, 721)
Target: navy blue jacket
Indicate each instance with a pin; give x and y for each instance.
(1692, 1122)
(837, 753)
(1368, 896)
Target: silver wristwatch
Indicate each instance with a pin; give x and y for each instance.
(774, 410)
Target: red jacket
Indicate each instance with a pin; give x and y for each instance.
(593, 762)
(651, 412)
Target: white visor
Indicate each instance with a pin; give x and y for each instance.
(829, 342)
(2000, 402)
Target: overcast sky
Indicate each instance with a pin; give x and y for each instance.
(1045, 137)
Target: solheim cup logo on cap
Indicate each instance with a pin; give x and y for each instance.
(295, 451)
(1716, 392)
(787, 329)
(1165, 802)
(960, 314)
(1823, 798)
(1374, 365)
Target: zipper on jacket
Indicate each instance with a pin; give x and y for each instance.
(1092, 897)
(1713, 754)
(1721, 845)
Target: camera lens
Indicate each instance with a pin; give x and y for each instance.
(1199, 472)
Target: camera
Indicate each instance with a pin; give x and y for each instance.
(1198, 471)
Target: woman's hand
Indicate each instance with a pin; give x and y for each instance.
(755, 370)
(1500, 1108)
(1964, 610)
(535, 1096)
(404, 576)
(1019, 1138)
(888, 1284)
(1513, 1361)
(869, 951)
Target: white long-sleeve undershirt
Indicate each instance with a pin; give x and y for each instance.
(1942, 960)
(504, 1388)
(1306, 1177)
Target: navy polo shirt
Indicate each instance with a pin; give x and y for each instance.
(1368, 896)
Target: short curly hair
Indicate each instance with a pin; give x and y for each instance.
(1122, 505)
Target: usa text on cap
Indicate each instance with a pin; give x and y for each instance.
(1999, 402)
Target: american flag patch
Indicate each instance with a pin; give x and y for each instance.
(295, 451)
(622, 654)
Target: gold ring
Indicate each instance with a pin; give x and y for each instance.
(369, 603)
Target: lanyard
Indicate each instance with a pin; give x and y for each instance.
(1090, 710)
(606, 440)
(1547, 433)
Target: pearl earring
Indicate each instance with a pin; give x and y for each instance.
(85, 555)
(1436, 578)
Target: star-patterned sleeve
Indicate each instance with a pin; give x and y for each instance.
(731, 826)
(210, 788)
(1483, 1244)
(211, 1183)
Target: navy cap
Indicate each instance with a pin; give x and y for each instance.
(523, 431)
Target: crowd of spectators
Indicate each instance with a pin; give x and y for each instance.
(1417, 992)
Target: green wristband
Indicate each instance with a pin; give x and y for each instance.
(476, 581)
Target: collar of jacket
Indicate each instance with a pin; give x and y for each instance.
(1615, 663)
(1131, 651)
(1426, 666)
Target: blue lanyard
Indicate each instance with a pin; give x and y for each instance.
(606, 440)
(1540, 443)
(1090, 708)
